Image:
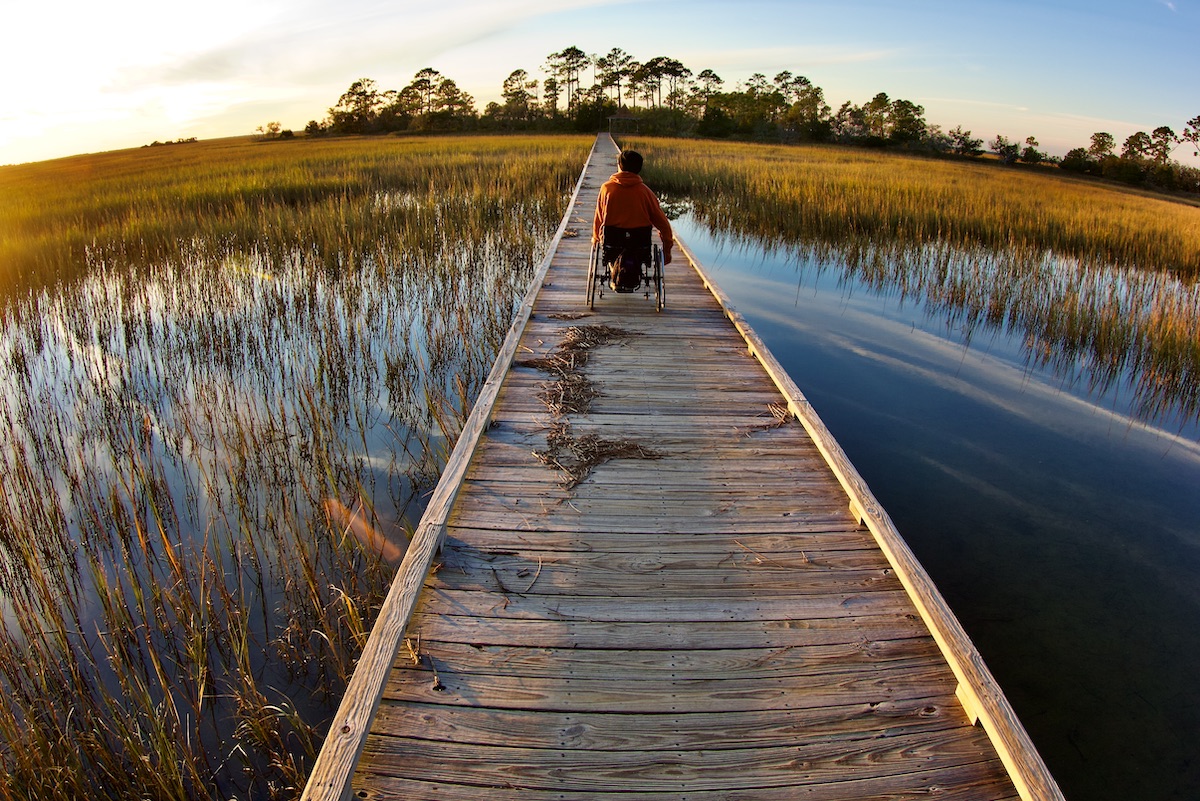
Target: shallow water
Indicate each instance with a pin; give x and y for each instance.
(1064, 533)
(220, 458)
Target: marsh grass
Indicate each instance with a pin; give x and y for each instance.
(220, 415)
(1101, 283)
(832, 194)
(337, 201)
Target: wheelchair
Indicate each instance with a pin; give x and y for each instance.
(626, 262)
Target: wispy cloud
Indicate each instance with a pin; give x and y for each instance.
(370, 35)
(761, 58)
(958, 101)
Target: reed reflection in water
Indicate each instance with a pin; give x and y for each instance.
(1097, 326)
(1061, 530)
(207, 470)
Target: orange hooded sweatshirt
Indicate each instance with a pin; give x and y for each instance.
(626, 202)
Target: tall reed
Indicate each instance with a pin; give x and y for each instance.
(219, 425)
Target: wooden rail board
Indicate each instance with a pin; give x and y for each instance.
(725, 614)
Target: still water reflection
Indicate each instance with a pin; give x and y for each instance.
(205, 470)
(1062, 529)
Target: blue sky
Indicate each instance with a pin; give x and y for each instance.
(86, 77)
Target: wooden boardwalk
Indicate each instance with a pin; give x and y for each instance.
(720, 611)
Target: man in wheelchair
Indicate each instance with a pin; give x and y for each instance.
(625, 212)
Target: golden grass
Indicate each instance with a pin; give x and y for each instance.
(338, 197)
(827, 193)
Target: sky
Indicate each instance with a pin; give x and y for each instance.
(80, 76)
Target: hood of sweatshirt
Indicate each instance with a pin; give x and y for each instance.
(626, 178)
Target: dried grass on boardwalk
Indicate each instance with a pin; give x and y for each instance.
(572, 392)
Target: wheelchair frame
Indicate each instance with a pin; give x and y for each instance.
(652, 278)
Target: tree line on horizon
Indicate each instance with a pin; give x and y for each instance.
(667, 98)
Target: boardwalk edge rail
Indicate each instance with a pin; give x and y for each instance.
(334, 768)
(978, 691)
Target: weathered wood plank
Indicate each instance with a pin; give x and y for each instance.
(789, 568)
(656, 665)
(656, 609)
(693, 500)
(664, 697)
(973, 782)
(794, 766)
(689, 429)
(625, 483)
(665, 517)
(569, 634)
(528, 577)
(643, 474)
(847, 538)
(536, 520)
(607, 731)
(722, 463)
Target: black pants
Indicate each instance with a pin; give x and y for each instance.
(626, 250)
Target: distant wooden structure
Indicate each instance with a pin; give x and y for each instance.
(623, 122)
(723, 612)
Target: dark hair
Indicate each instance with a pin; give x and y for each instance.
(630, 161)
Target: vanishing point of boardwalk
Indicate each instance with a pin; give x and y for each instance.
(661, 579)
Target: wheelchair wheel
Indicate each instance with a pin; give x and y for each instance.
(593, 267)
(659, 279)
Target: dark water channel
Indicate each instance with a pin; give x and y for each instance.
(1064, 533)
